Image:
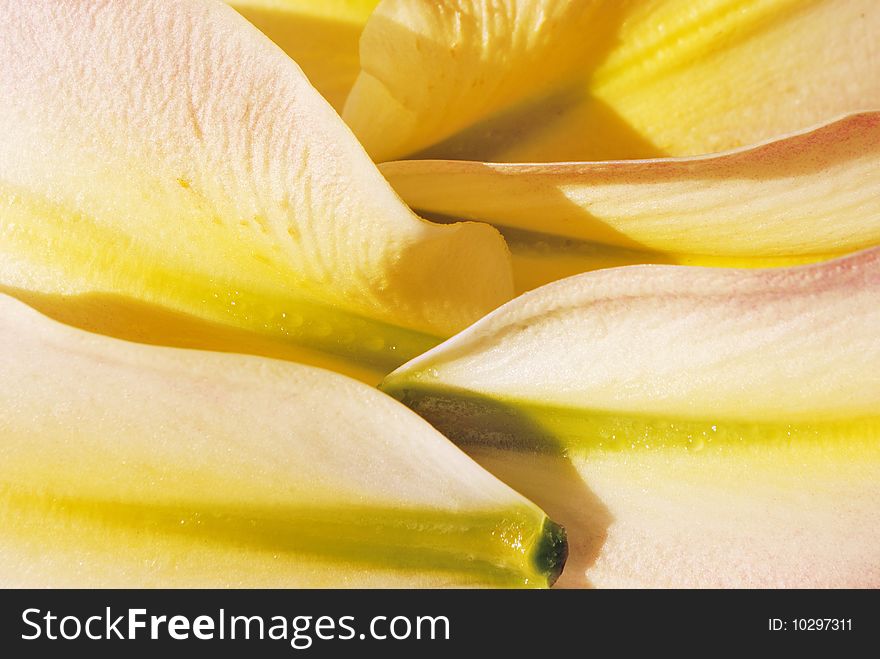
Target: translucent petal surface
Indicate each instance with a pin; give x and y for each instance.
(166, 156)
(763, 516)
(689, 426)
(320, 35)
(707, 345)
(124, 464)
(549, 80)
(805, 197)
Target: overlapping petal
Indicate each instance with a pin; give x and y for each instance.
(764, 516)
(553, 80)
(169, 175)
(137, 465)
(320, 35)
(800, 198)
(687, 399)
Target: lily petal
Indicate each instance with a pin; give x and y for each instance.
(320, 35)
(552, 80)
(167, 171)
(770, 516)
(711, 418)
(800, 198)
(133, 465)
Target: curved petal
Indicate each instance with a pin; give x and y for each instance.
(800, 198)
(766, 517)
(702, 345)
(320, 35)
(708, 419)
(165, 156)
(548, 80)
(132, 465)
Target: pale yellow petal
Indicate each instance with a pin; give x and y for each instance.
(165, 156)
(774, 346)
(320, 35)
(696, 426)
(805, 197)
(131, 465)
(766, 516)
(545, 80)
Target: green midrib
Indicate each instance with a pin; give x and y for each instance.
(114, 264)
(469, 418)
(506, 548)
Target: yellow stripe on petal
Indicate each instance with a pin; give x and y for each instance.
(131, 465)
(801, 198)
(691, 427)
(166, 157)
(655, 355)
(320, 35)
(550, 80)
